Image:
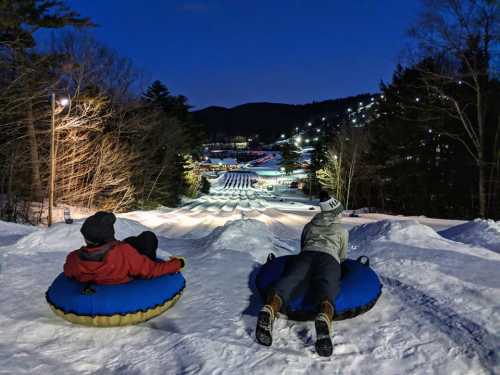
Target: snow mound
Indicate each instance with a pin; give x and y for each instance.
(66, 237)
(398, 231)
(246, 235)
(484, 233)
(12, 232)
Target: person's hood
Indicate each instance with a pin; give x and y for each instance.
(93, 258)
(324, 219)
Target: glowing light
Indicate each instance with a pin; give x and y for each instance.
(63, 102)
(282, 136)
(353, 120)
(417, 99)
(298, 139)
(309, 124)
(318, 130)
(307, 140)
(323, 118)
(349, 109)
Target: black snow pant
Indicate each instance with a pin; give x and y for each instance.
(145, 243)
(320, 271)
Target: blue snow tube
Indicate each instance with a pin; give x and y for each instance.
(114, 305)
(360, 289)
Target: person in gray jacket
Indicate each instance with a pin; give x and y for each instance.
(323, 247)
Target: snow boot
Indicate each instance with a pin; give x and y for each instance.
(323, 325)
(264, 330)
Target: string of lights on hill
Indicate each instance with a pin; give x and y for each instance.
(355, 116)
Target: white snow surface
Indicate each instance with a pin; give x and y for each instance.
(439, 311)
(12, 232)
(484, 233)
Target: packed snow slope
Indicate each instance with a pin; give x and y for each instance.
(467, 233)
(439, 311)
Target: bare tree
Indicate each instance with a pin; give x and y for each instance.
(463, 37)
(94, 169)
(341, 161)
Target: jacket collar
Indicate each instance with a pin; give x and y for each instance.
(96, 254)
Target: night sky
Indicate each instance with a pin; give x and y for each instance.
(229, 52)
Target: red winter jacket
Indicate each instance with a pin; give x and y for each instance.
(114, 263)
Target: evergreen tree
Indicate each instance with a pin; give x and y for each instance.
(22, 18)
(424, 172)
(205, 185)
(159, 95)
(172, 140)
(290, 157)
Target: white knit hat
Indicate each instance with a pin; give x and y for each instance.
(330, 204)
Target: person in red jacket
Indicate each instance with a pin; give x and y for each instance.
(104, 260)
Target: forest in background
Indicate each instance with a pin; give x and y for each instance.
(430, 143)
(114, 149)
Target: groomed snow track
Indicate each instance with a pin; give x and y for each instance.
(438, 313)
(238, 180)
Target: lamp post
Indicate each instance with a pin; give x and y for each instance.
(63, 102)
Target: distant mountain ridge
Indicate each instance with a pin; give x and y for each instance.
(269, 120)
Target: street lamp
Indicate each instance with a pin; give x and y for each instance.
(63, 102)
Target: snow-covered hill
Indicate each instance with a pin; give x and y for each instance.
(439, 311)
(488, 230)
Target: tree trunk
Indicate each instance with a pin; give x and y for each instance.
(36, 182)
(482, 190)
(10, 196)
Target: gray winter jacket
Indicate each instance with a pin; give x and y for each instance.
(324, 233)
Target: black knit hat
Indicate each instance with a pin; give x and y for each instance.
(98, 228)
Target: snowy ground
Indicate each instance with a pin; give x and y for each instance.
(439, 311)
